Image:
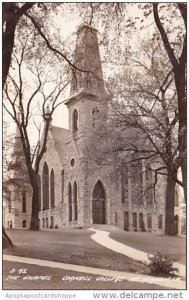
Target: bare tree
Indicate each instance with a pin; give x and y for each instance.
(170, 21)
(143, 122)
(178, 63)
(35, 16)
(30, 100)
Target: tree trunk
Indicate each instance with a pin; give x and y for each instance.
(169, 207)
(182, 136)
(8, 43)
(7, 243)
(35, 208)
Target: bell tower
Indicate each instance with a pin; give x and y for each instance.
(87, 85)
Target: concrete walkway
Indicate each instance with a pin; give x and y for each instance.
(102, 237)
(163, 282)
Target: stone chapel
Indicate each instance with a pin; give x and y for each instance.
(74, 191)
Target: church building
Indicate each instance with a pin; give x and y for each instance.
(74, 190)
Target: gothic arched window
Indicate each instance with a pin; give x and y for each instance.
(52, 189)
(75, 120)
(70, 201)
(75, 201)
(23, 201)
(45, 186)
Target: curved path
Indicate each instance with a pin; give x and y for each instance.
(102, 237)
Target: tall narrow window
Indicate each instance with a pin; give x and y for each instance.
(52, 222)
(75, 201)
(126, 220)
(39, 191)
(23, 201)
(47, 223)
(75, 120)
(141, 221)
(134, 220)
(52, 189)
(136, 181)
(45, 186)
(160, 222)
(149, 221)
(70, 201)
(62, 174)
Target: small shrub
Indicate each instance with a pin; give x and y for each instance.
(161, 265)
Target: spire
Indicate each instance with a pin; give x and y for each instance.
(87, 58)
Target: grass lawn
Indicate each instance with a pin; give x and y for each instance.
(60, 280)
(70, 246)
(172, 246)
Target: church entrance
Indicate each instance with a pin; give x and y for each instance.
(98, 204)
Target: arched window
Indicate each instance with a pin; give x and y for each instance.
(39, 190)
(75, 120)
(75, 201)
(52, 189)
(134, 220)
(70, 201)
(23, 201)
(45, 186)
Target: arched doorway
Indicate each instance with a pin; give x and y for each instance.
(98, 204)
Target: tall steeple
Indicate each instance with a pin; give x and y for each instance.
(88, 98)
(87, 59)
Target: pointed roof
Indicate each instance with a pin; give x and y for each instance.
(60, 138)
(87, 59)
